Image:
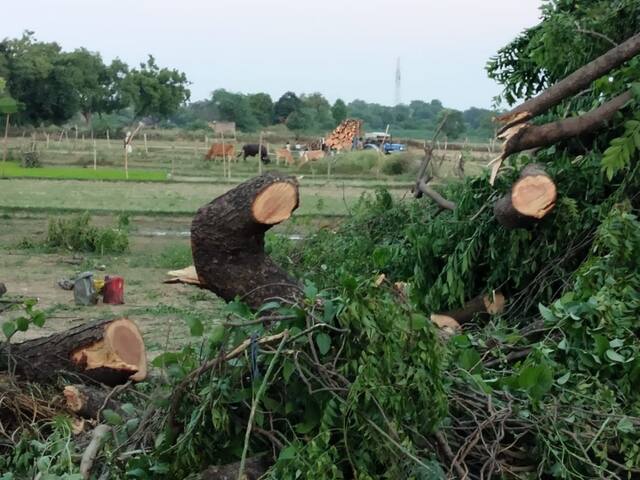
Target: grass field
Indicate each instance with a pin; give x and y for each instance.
(168, 181)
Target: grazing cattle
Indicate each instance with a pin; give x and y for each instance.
(285, 155)
(251, 150)
(219, 150)
(312, 155)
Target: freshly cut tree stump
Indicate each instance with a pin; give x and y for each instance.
(531, 198)
(86, 401)
(485, 305)
(227, 241)
(106, 351)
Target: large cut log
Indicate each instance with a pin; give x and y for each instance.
(531, 198)
(482, 305)
(87, 401)
(227, 240)
(105, 351)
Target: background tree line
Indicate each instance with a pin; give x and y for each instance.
(312, 113)
(51, 86)
(45, 85)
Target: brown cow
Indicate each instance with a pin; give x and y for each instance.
(285, 155)
(219, 150)
(312, 155)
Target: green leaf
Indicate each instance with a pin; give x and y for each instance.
(269, 306)
(324, 342)
(546, 313)
(165, 359)
(310, 291)
(469, 359)
(615, 356)
(38, 319)
(625, 425)
(418, 322)
(288, 453)
(287, 370)
(9, 328)
(132, 425)
(22, 324)
(329, 311)
(195, 326)
(129, 409)
(111, 417)
(564, 378)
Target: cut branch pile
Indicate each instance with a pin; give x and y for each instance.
(342, 137)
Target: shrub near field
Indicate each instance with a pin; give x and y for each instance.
(76, 233)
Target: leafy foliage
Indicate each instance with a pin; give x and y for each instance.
(78, 234)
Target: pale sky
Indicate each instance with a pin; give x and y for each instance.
(341, 48)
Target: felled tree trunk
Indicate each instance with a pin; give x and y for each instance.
(483, 305)
(227, 240)
(105, 351)
(87, 401)
(531, 198)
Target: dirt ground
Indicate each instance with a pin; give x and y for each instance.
(159, 309)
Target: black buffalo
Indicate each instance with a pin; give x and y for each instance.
(251, 150)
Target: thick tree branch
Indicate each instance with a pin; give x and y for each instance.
(526, 136)
(442, 202)
(572, 84)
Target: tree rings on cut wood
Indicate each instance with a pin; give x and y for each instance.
(227, 241)
(105, 351)
(275, 203)
(531, 198)
(484, 305)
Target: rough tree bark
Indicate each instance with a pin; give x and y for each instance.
(531, 198)
(227, 240)
(574, 83)
(525, 136)
(483, 305)
(87, 401)
(105, 351)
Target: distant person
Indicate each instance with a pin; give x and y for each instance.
(288, 147)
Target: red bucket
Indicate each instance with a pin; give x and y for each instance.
(113, 290)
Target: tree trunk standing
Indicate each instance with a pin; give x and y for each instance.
(108, 140)
(227, 240)
(531, 198)
(146, 148)
(106, 351)
(5, 147)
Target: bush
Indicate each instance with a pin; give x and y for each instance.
(76, 233)
(31, 159)
(396, 164)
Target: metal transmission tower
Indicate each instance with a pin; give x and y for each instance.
(398, 97)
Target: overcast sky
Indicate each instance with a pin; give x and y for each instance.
(341, 48)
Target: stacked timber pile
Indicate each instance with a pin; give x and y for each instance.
(342, 137)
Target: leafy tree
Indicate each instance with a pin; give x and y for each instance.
(339, 111)
(286, 104)
(261, 107)
(37, 77)
(234, 107)
(155, 91)
(300, 120)
(318, 110)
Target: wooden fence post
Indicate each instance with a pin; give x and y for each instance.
(108, 139)
(260, 155)
(146, 148)
(6, 139)
(95, 155)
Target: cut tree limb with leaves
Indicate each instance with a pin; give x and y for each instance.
(518, 135)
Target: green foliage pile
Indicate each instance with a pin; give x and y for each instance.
(76, 233)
